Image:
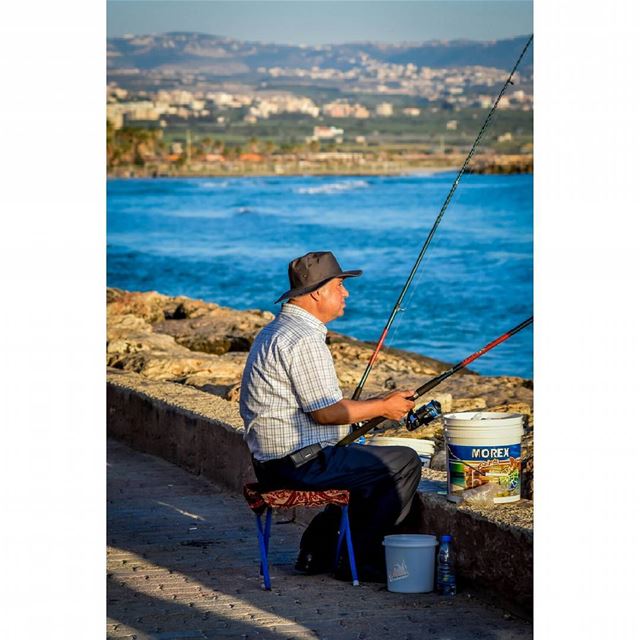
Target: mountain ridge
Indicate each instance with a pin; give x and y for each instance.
(183, 49)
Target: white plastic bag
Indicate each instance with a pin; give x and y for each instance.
(483, 495)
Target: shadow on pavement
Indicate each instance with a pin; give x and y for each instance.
(183, 563)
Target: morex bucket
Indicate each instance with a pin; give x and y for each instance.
(484, 450)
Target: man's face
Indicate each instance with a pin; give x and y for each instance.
(332, 299)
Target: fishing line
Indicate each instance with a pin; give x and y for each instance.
(425, 246)
(407, 306)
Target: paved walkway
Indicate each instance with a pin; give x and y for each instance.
(183, 563)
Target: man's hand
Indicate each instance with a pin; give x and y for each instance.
(397, 403)
(393, 406)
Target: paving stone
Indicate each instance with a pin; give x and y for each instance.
(167, 579)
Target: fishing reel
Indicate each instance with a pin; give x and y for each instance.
(423, 415)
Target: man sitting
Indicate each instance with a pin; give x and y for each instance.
(294, 414)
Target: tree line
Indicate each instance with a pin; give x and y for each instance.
(138, 146)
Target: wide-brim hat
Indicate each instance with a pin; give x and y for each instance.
(311, 271)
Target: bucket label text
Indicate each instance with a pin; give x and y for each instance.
(492, 452)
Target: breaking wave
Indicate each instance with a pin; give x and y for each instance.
(333, 187)
(211, 184)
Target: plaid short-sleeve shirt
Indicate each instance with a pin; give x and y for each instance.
(289, 373)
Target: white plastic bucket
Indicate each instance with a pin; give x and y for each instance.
(484, 450)
(424, 448)
(410, 560)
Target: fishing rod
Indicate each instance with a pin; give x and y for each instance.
(425, 246)
(431, 410)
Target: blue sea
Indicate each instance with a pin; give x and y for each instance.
(229, 241)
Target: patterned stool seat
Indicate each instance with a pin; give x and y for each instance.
(259, 501)
(289, 498)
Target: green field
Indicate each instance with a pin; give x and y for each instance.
(427, 132)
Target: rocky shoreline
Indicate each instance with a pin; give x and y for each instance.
(343, 166)
(204, 345)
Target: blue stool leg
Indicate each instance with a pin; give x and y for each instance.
(264, 564)
(343, 529)
(267, 529)
(352, 560)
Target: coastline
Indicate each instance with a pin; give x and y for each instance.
(260, 173)
(347, 166)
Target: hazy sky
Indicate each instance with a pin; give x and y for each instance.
(323, 21)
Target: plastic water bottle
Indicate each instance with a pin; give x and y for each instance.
(446, 582)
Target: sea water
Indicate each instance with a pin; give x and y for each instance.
(229, 240)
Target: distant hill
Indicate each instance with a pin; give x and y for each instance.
(500, 54)
(226, 57)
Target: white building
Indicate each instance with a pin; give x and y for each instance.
(327, 133)
(141, 110)
(265, 107)
(384, 109)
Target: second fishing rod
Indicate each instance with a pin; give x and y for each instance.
(432, 409)
(425, 246)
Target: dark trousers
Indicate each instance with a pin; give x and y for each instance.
(382, 481)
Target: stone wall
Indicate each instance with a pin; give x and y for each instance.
(195, 430)
(494, 547)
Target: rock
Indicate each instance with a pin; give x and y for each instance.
(265, 315)
(157, 356)
(346, 348)
(181, 308)
(148, 305)
(229, 392)
(347, 378)
(390, 384)
(134, 343)
(214, 389)
(164, 366)
(516, 407)
(222, 370)
(211, 343)
(126, 325)
(114, 294)
(233, 393)
(495, 390)
(468, 404)
(217, 332)
(445, 400)
(439, 460)
(501, 164)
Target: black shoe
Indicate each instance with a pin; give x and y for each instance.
(312, 562)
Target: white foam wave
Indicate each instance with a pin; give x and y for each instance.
(210, 184)
(334, 187)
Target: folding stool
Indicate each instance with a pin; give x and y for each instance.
(260, 500)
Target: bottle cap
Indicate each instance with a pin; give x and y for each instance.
(445, 538)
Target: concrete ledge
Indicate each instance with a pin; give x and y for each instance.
(494, 546)
(195, 430)
(203, 434)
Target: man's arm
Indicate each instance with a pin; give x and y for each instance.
(393, 406)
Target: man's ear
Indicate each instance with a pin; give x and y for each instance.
(315, 295)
